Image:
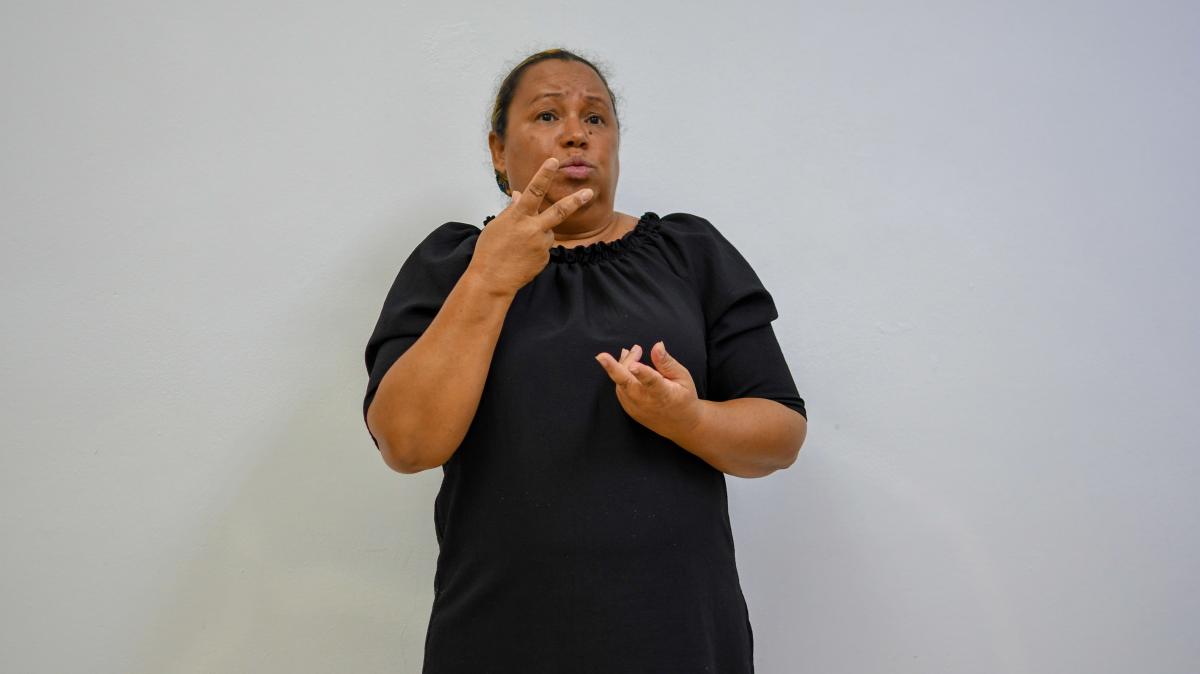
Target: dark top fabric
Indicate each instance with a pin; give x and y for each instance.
(572, 538)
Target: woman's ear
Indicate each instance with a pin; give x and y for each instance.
(496, 147)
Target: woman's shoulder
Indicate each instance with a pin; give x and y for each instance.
(448, 241)
(692, 226)
(686, 223)
(714, 261)
(441, 256)
(452, 233)
(696, 236)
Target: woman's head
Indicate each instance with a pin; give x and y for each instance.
(556, 104)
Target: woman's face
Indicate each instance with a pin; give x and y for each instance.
(576, 120)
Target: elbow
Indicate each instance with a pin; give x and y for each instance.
(799, 433)
(395, 460)
(402, 458)
(406, 442)
(751, 473)
(786, 449)
(399, 456)
(400, 461)
(393, 453)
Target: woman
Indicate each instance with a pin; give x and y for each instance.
(582, 520)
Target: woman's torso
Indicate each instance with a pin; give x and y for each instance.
(565, 525)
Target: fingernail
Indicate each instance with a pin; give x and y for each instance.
(585, 195)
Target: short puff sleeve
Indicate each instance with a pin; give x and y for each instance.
(745, 359)
(417, 294)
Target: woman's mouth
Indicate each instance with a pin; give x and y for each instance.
(578, 171)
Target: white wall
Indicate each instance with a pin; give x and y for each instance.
(979, 224)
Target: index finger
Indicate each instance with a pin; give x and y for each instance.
(617, 372)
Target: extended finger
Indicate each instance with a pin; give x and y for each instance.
(635, 355)
(645, 374)
(616, 371)
(538, 185)
(563, 208)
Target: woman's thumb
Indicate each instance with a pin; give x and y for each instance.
(665, 363)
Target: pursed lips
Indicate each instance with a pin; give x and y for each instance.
(576, 168)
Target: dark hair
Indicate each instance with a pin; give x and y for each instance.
(508, 88)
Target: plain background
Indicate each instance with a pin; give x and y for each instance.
(979, 222)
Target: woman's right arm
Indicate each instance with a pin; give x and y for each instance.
(426, 400)
(428, 397)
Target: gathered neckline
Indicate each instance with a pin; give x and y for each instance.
(646, 226)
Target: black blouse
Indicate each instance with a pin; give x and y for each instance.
(572, 538)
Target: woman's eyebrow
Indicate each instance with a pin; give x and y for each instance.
(556, 94)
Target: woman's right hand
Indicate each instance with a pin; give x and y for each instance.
(514, 246)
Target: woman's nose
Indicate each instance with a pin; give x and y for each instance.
(574, 132)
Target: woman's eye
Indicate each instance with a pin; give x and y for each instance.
(542, 116)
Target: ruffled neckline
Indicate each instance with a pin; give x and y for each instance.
(647, 226)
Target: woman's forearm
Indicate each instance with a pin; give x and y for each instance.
(745, 437)
(428, 397)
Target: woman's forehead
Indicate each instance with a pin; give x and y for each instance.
(560, 83)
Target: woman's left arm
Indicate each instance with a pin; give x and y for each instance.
(744, 437)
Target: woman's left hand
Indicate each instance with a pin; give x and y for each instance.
(662, 398)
